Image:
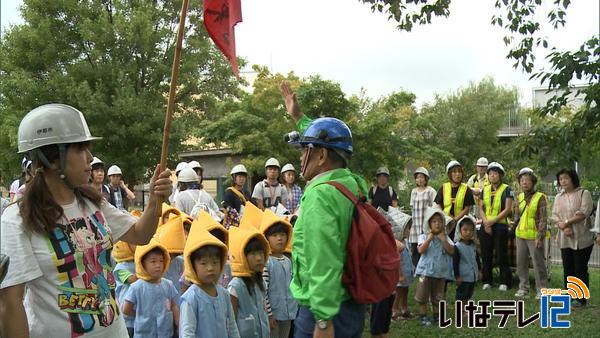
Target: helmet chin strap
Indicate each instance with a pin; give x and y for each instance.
(62, 154)
(305, 160)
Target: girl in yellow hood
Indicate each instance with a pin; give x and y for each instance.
(152, 299)
(248, 255)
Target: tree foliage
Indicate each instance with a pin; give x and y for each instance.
(112, 60)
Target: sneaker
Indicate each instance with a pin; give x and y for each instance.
(521, 294)
(487, 286)
(425, 321)
(503, 287)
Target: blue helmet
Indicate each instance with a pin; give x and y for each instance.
(328, 132)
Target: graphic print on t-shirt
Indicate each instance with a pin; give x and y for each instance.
(81, 252)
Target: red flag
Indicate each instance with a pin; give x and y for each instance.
(220, 17)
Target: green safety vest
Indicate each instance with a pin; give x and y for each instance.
(458, 200)
(527, 228)
(494, 210)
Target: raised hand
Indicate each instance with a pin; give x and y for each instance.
(290, 100)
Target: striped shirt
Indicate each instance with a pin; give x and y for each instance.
(419, 201)
(293, 199)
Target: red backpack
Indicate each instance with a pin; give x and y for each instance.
(372, 264)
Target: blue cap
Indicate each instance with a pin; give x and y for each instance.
(328, 132)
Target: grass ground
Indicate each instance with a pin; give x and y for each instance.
(585, 322)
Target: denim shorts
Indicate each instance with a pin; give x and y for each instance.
(348, 323)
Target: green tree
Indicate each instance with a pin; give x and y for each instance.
(522, 23)
(112, 60)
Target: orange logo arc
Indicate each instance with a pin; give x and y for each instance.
(577, 289)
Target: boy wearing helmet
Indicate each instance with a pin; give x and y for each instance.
(119, 195)
(269, 192)
(454, 197)
(494, 211)
(97, 177)
(322, 229)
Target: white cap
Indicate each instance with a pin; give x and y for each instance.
(180, 167)
(482, 162)
(497, 166)
(382, 170)
(187, 175)
(272, 162)
(288, 167)
(194, 165)
(421, 170)
(452, 164)
(95, 161)
(239, 169)
(114, 170)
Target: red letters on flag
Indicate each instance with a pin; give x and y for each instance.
(220, 17)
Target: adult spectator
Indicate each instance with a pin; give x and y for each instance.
(478, 181)
(119, 194)
(570, 213)
(421, 198)
(59, 236)
(288, 174)
(268, 193)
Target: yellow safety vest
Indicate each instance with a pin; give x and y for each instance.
(527, 228)
(493, 211)
(458, 200)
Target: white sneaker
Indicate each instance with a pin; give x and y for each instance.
(521, 294)
(503, 287)
(487, 286)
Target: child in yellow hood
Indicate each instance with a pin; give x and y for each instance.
(152, 299)
(206, 309)
(172, 236)
(281, 306)
(124, 272)
(248, 251)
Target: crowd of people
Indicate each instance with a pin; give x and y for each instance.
(262, 264)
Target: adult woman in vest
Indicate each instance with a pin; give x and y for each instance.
(570, 212)
(235, 197)
(532, 225)
(454, 197)
(493, 235)
(59, 236)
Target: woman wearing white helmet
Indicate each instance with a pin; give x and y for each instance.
(59, 236)
(494, 211)
(421, 197)
(454, 197)
(236, 196)
(288, 179)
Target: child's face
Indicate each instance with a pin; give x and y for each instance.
(272, 173)
(456, 174)
(208, 269)
(154, 264)
(278, 242)
(466, 231)
(435, 224)
(256, 260)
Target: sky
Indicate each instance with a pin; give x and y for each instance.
(343, 41)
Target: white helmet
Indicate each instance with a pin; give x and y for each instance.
(288, 167)
(187, 175)
(497, 166)
(525, 171)
(114, 170)
(382, 170)
(482, 162)
(95, 161)
(195, 165)
(180, 167)
(52, 124)
(239, 169)
(452, 164)
(421, 170)
(272, 162)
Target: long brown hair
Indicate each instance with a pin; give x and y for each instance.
(38, 208)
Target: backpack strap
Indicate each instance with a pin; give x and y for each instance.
(349, 195)
(238, 194)
(391, 191)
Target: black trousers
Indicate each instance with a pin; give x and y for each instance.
(495, 245)
(575, 263)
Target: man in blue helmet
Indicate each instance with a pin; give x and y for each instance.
(322, 228)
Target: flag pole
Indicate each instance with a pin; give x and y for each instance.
(172, 91)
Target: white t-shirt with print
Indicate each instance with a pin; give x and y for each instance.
(68, 274)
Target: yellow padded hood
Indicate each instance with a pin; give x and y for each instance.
(171, 235)
(168, 210)
(206, 222)
(270, 218)
(238, 239)
(123, 251)
(140, 251)
(198, 238)
(252, 216)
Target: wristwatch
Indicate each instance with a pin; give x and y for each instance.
(322, 324)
